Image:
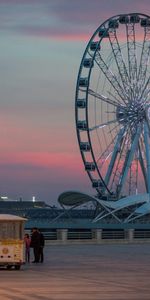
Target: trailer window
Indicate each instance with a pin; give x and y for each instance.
(10, 230)
(3, 230)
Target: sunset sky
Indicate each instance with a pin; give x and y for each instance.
(41, 46)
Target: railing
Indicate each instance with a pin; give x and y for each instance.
(113, 234)
(95, 235)
(50, 235)
(141, 234)
(79, 234)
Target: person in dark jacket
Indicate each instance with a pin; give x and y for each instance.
(42, 244)
(35, 244)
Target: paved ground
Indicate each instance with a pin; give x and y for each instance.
(82, 272)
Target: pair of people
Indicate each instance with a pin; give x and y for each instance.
(37, 242)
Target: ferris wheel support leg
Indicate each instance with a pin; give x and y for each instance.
(114, 155)
(143, 168)
(128, 160)
(147, 146)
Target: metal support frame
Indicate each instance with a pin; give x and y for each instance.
(147, 147)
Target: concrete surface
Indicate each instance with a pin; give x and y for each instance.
(82, 272)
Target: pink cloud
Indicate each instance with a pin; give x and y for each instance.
(60, 34)
(63, 20)
(42, 159)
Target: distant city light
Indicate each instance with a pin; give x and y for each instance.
(4, 197)
(33, 198)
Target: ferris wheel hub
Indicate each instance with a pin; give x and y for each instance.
(134, 113)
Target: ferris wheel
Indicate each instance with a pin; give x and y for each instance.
(112, 107)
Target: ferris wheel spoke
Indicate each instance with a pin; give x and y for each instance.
(144, 60)
(131, 45)
(120, 61)
(103, 125)
(114, 97)
(145, 91)
(114, 128)
(107, 150)
(103, 98)
(114, 155)
(111, 77)
(129, 158)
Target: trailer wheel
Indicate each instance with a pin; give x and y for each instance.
(17, 267)
(9, 267)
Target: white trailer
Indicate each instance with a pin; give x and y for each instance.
(11, 241)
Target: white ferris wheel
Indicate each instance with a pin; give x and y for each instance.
(113, 107)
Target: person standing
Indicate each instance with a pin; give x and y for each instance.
(42, 244)
(35, 244)
(27, 241)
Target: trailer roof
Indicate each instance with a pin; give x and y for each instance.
(7, 217)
